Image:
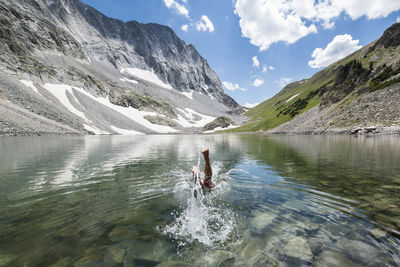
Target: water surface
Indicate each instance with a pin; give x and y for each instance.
(279, 200)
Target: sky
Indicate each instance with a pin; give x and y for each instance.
(256, 47)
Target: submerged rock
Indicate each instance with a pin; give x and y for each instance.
(331, 258)
(298, 248)
(359, 251)
(217, 257)
(378, 233)
(252, 250)
(121, 232)
(115, 254)
(319, 242)
(309, 226)
(262, 220)
(267, 260)
(91, 256)
(144, 262)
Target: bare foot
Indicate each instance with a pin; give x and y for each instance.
(195, 169)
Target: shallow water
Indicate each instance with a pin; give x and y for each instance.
(279, 200)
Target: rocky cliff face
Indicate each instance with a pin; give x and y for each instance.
(143, 67)
(357, 94)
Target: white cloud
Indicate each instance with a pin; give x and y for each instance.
(398, 19)
(256, 63)
(258, 82)
(266, 22)
(205, 24)
(250, 105)
(339, 47)
(283, 82)
(233, 86)
(372, 9)
(265, 68)
(178, 8)
(184, 27)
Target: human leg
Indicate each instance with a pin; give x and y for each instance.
(207, 167)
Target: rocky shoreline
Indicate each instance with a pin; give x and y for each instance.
(369, 130)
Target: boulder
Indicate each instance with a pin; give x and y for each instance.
(222, 122)
(298, 248)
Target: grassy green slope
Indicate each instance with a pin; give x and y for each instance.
(267, 114)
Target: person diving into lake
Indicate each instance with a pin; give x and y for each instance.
(206, 182)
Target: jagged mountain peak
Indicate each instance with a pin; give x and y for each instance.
(158, 47)
(147, 78)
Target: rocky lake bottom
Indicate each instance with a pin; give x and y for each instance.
(131, 201)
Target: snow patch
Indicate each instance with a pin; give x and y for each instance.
(124, 132)
(292, 97)
(184, 122)
(188, 94)
(128, 80)
(205, 87)
(60, 92)
(30, 85)
(189, 119)
(146, 75)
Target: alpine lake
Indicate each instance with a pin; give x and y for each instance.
(131, 201)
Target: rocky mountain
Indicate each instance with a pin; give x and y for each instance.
(355, 95)
(67, 68)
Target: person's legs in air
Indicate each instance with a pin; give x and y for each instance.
(207, 170)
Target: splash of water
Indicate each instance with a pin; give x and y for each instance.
(204, 218)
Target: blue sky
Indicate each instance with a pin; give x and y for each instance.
(283, 35)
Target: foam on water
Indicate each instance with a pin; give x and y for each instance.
(204, 217)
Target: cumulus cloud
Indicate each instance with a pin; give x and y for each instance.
(184, 27)
(250, 105)
(256, 63)
(266, 22)
(258, 82)
(205, 24)
(398, 19)
(372, 9)
(178, 8)
(233, 86)
(284, 81)
(265, 69)
(339, 47)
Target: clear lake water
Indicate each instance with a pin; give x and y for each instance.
(131, 201)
